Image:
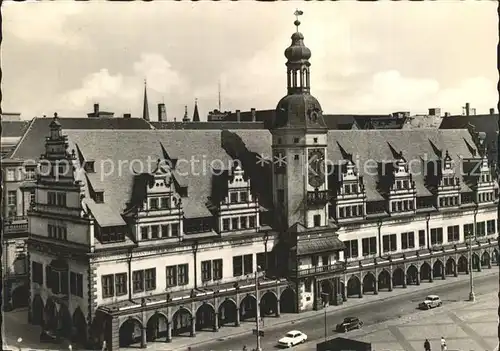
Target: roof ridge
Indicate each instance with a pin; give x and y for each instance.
(22, 138)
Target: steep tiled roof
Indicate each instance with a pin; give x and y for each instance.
(32, 142)
(14, 128)
(369, 147)
(481, 123)
(119, 157)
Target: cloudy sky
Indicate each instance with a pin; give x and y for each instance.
(366, 57)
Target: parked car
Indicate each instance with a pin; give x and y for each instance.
(349, 323)
(430, 301)
(292, 338)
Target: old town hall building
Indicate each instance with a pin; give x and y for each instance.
(140, 236)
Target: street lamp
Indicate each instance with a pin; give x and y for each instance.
(325, 297)
(472, 296)
(257, 304)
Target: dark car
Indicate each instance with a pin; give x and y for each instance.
(349, 323)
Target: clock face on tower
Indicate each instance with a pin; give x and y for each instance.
(316, 167)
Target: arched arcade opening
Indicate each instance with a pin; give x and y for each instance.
(268, 304)
(288, 301)
(384, 280)
(227, 312)
(205, 317)
(369, 283)
(182, 322)
(130, 332)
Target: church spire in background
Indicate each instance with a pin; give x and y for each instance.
(145, 107)
(196, 115)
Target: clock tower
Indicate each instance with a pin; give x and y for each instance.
(299, 144)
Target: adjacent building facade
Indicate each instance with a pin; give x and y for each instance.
(139, 236)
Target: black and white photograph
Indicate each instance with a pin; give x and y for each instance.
(250, 176)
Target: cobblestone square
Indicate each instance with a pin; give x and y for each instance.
(465, 326)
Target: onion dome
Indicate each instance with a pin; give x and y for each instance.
(297, 51)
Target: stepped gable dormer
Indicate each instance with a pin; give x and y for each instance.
(238, 209)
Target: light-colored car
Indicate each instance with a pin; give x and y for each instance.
(430, 301)
(292, 338)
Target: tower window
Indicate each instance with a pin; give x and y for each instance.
(99, 197)
(317, 220)
(296, 157)
(315, 140)
(279, 140)
(295, 140)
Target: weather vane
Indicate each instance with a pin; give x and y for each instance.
(297, 13)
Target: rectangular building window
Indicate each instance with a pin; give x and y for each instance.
(280, 196)
(206, 271)
(436, 236)
(61, 199)
(164, 203)
(217, 269)
(37, 272)
(453, 233)
(480, 229)
(121, 284)
(175, 229)
(155, 232)
(183, 274)
(243, 222)
(108, 285)
(138, 281)
(153, 204)
(150, 279)
(389, 243)
(468, 230)
(407, 240)
(490, 226)
(248, 264)
(64, 283)
(11, 175)
(171, 274)
(76, 284)
(251, 221)
(233, 197)
(351, 248)
(144, 233)
(243, 196)
(307, 285)
(237, 266)
(369, 246)
(225, 224)
(421, 238)
(235, 223)
(317, 220)
(164, 230)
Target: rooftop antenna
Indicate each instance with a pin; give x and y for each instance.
(220, 108)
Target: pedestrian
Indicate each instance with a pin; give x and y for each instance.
(104, 345)
(427, 345)
(443, 344)
(244, 347)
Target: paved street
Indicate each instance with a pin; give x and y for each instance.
(371, 309)
(385, 310)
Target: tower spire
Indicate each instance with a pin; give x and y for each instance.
(220, 108)
(196, 115)
(145, 106)
(186, 118)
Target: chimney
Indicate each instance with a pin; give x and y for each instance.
(254, 115)
(435, 112)
(96, 109)
(473, 111)
(238, 115)
(492, 111)
(467, 109)
(127, 115)
(447, 114)
(162, 113)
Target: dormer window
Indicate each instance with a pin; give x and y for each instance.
(243, 196)
(165, 203)
(99, 197)
(153, 204)
(233, 197)
(89, 166)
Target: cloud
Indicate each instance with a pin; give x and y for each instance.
(125, 91)
(43, 22)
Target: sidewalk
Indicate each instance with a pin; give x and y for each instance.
(182, 343)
